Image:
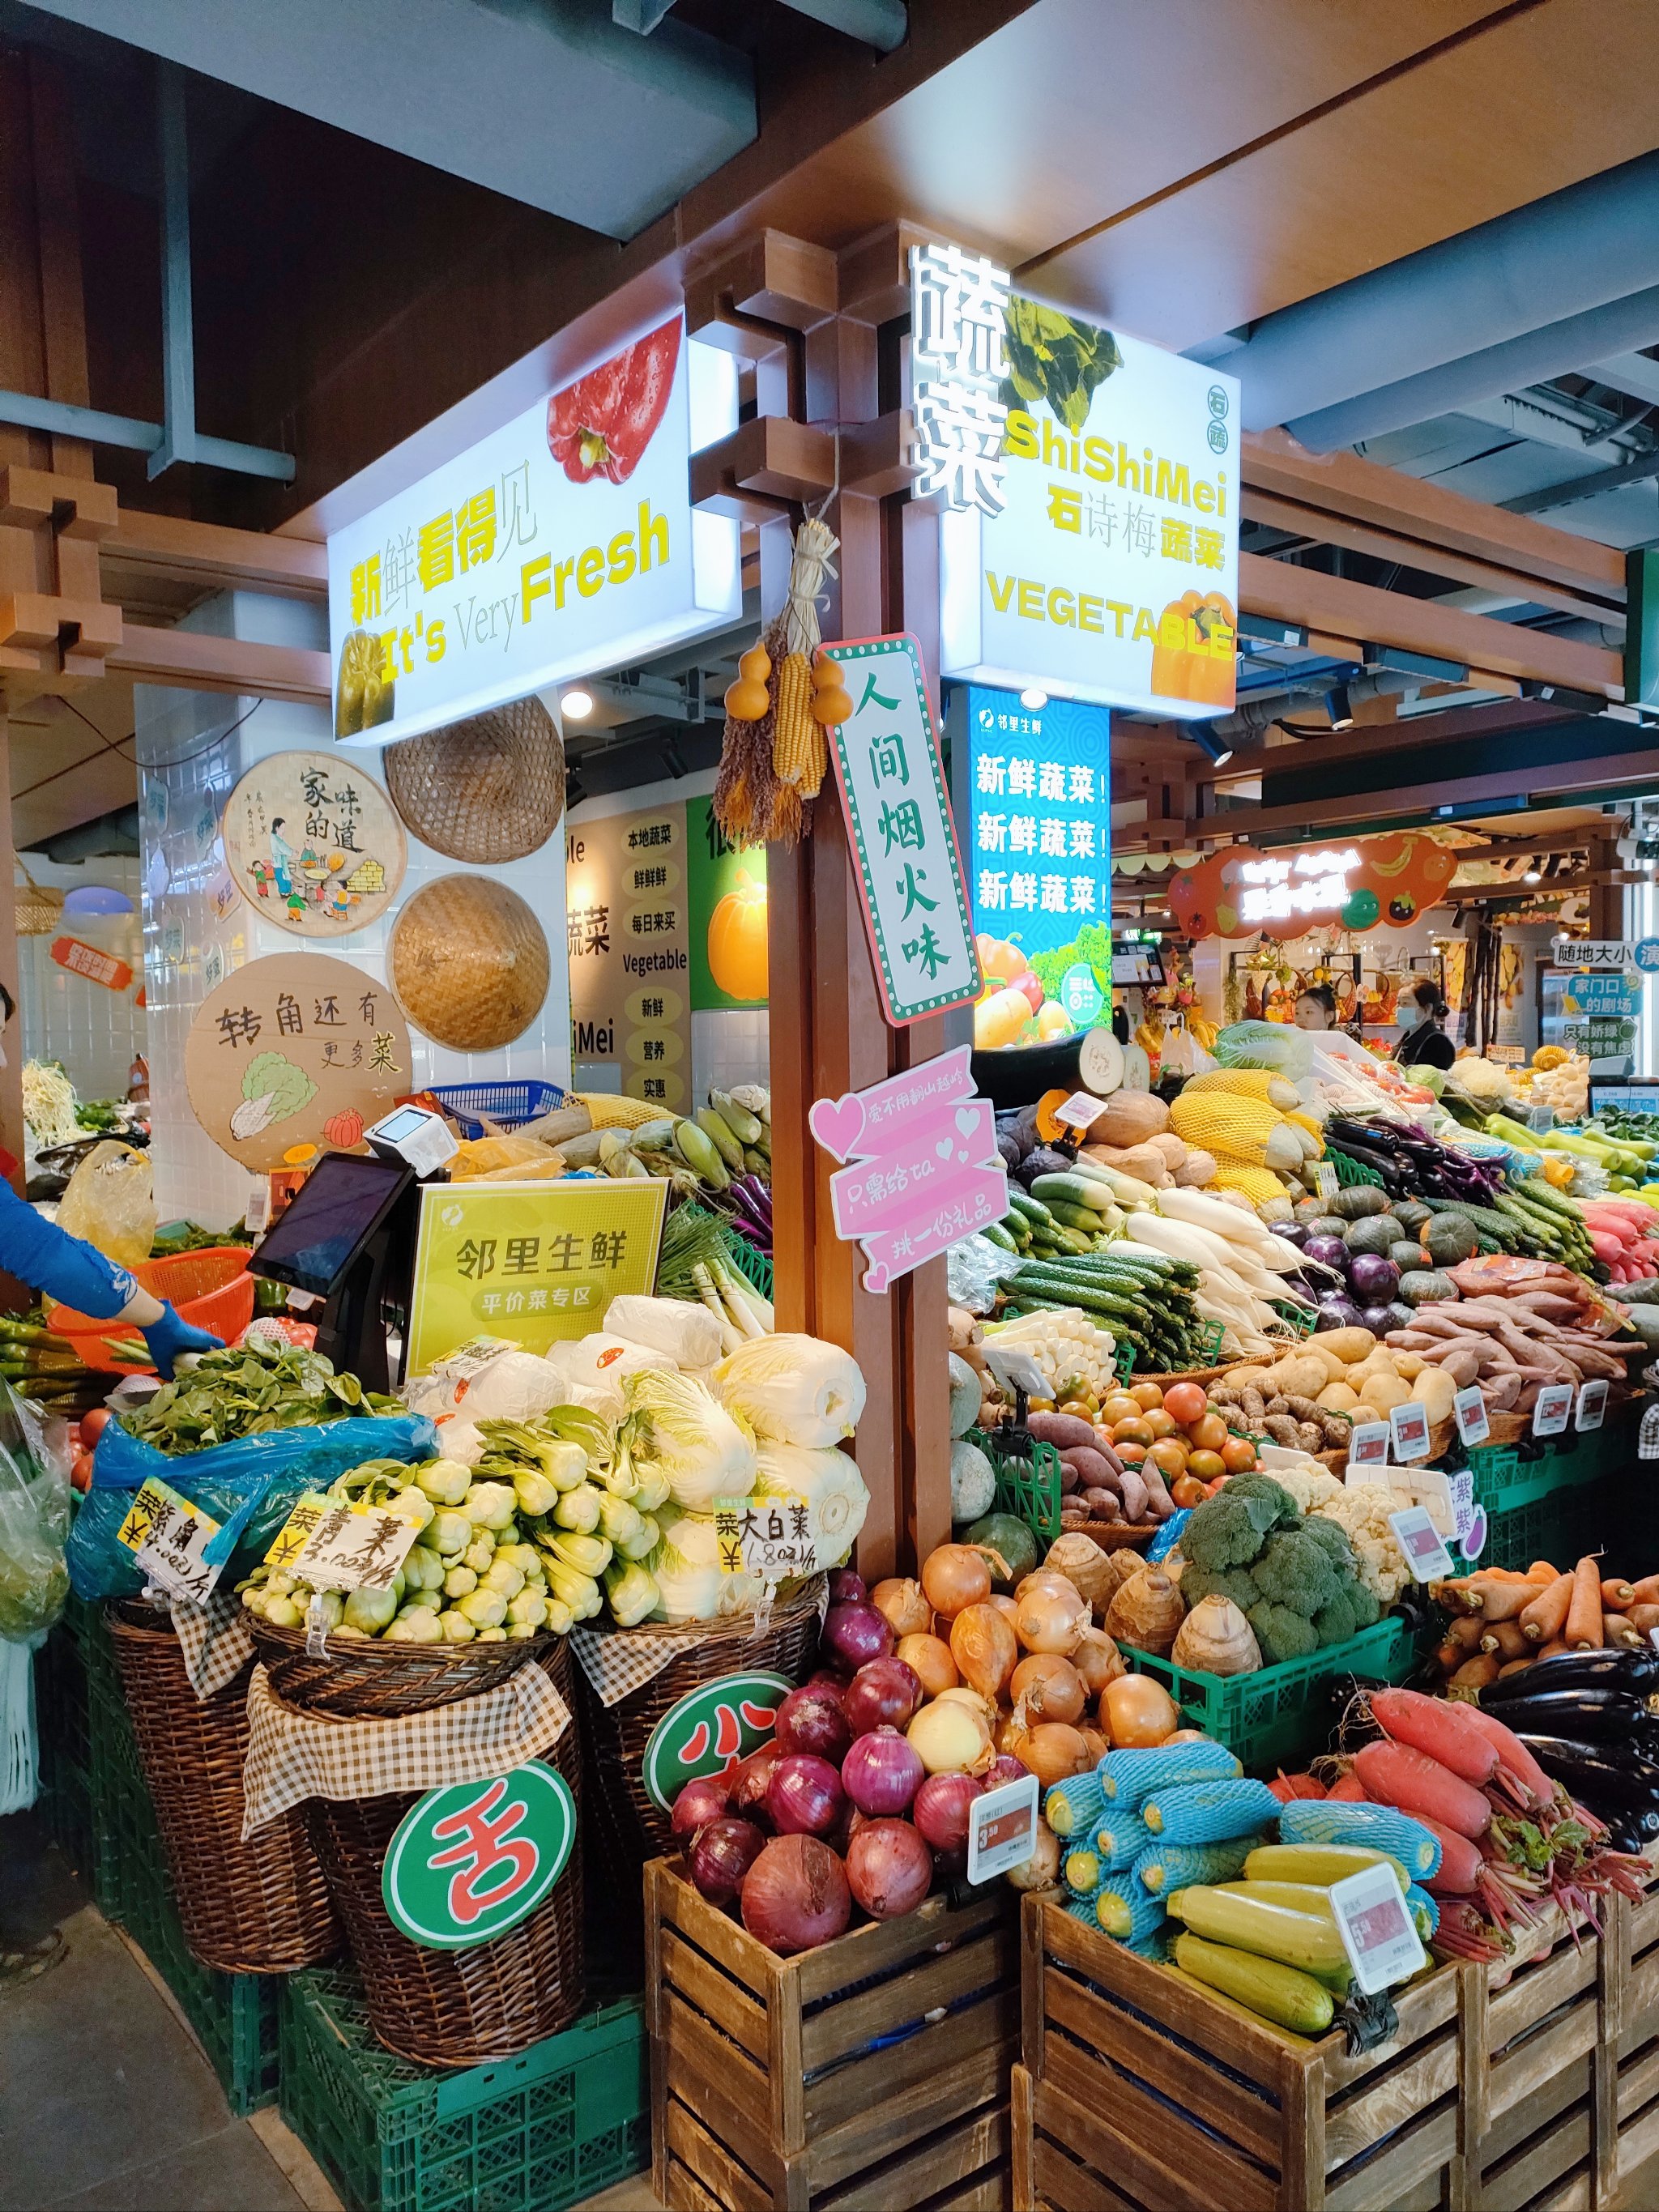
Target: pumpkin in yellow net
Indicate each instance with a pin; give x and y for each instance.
(736, 939)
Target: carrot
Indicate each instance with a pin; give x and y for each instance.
(1458, 1597)
(1556, 1644)
(1466, 1631)
(1540, 1570)
(1439, 1730)
(1646, 1592)
(1475, 1674)
(1398, 1775)
(1513, 1755)
(1617, 1596)
(1584, 1628)
(1546, 1616)
(1459, 1860)
(1507, 1639)
(1449, 1657)
(1616, 1629)
(1514, 1666)
(1644, 1617)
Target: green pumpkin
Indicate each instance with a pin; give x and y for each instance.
(1411, 1213)
(1408, 1254)
(1450, 1238)
(1423, 1285)
(1375, 1233)
(1328, 1225)
(1011, 1539)
(1360, 1199)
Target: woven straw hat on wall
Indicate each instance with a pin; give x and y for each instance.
(470, 963)
(488, 789)
(40, 907)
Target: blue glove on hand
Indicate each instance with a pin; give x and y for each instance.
(169, 1336)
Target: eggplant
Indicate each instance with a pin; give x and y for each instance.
(1624, 1668)
(1633, 1832)
(1594, 1715)
(1595, 1771)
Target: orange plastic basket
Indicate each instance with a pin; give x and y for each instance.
(210, 1289)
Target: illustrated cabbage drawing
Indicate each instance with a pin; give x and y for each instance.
(272, 1088)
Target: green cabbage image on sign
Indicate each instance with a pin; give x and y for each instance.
(473, 1859)
(709, 1730)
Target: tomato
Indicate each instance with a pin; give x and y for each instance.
(1132, 1433)
(93, 1425)
(1209, 1431)
(1169, 1456)
(1187, 1490)
(1207, 1466)
(1039, 1405)
(1076, 1408)
(1214, 1489)
(81, 1472)
(1119, 1407)
(1158, 1421)
(1238, 1454)
(1131, 1454)
(1146, 1395)
(1185, 1402)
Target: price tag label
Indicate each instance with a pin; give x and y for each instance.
(1368, 1443)
(1422, 1543)
(166, 1536)
(1002, 1827)
(1325, 1176)
(334, 1545)
(1376, 1927)
(1409, 1425)
(769, 1536)
(1080, 1110)
(1592, 1403)
(1469, 1411)
(1553, 1411)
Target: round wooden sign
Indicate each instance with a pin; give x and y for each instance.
(292, 1056)
(313, 844)
(473, 1859)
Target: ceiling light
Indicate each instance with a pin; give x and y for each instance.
(96, 898)
(1338, 707)
(1532, 876)
(576, 705)
(1033, 698)
(1213, 748)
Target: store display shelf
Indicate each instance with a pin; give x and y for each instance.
(561, 2121)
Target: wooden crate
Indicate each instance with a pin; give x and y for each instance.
(1539, 2073)
(1637, 2092)
(1139, 2092)
(868, 2075)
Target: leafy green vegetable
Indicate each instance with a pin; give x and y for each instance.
(246, 1390)
(1092, 944)
(1052, 357)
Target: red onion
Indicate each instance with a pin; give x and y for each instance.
(812, 1720)
(705, 1798)
(749, 1780)
(804, 1795)
(854, 1634)
(1003, 1768)
(890, 1868)
(826, 1678)
(796, 1895)
(941, 1809)
(723, 1856)
(845, 1588)
(951, 1866)
(883, 1693)
(881, 1773)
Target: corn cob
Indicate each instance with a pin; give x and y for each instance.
(1082, 1909)
(1083, 1871)
(1164, 1867)
(1070, 1806)
(1120, 1837)
(797, 737)
(1318, 1820)
(1128, 1776)
(1210, 1812)
(1423, 1911)
(1123, 1910)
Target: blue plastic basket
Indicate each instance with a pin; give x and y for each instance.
(508, 1105)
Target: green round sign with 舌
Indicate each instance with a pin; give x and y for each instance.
(473, 1859)
(709, 1730)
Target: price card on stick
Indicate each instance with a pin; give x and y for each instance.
(1325, 1176)
(1002, 1827)
(166, 1535)
(1368, 1443)
(1376, 1927)
(1081, 1111)
(1422, 1543)
(354, 1548)
(1592, 1404)
(1469, 1411)
(1408, 1425)
(1553, 1410)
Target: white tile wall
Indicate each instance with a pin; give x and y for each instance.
(94, 1032)
(729, 1046)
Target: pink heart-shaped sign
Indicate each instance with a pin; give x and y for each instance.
(875, 1277)
(837, 1123)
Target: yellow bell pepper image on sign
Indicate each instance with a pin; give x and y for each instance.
(1193, 657)
(736, 939)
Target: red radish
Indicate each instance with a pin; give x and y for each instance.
(1512, 1754)
(1459, 1860)
(1395, 1774)
(1348, 1791)
(1439, 1730)
(1284, 1787)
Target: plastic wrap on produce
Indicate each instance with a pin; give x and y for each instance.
(973, 1269)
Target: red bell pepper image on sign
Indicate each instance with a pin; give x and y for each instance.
(600, 425)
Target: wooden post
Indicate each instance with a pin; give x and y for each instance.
(11, 1076)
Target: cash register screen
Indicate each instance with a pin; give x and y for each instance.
(337, 1206)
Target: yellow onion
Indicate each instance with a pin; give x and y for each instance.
(903, 1606)
(1046, 1687)
(955, 1575)
(1052, 1751)
(1098, 1744)
(929, 1657)
(1041, 1869)
(1005, 1605)
(1099, 1660)
(1051, 1619)
(950, 1737)
(1136, 1711)
(975, 1701)
(983, 1646)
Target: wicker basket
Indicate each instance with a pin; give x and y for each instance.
(40, 907)
(368, 1680)
(258, 1907)
(632, 1828)
(456, 2007)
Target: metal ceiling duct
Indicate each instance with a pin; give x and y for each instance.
(1592, 244)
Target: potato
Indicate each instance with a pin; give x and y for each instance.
(1337, 1398)
(1436, 1390)
(1384, 1392)
(1410, 1365)
(1300, 1375)
(1347, 1345)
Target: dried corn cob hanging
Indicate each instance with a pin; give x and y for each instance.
(801, 755)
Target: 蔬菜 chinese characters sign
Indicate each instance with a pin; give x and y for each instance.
(1365, 882)
(532, 1262)
(312, 846)
(472, 1860)
(925, 1171)
(561, 544)
(1089, 538)
(294, 1055)
(887, 764)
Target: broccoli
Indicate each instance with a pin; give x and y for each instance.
(1228, 1530)
(1337, 1621)
(1281, 1634)
(1294, 1572)
(1337, 1547)
(1367, 1606)
(1236, 1583)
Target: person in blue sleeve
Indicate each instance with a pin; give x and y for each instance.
(77, 1274)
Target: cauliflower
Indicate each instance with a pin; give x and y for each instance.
(1361, 1515)
(1295, 1572)
(1281, 1634)
(1479, 1079)
(1307, 1484)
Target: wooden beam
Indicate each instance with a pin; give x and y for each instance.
(1340, 483)
(767, 465)
(1313, 600)
(1418, 731)
(196, 662)
(218, 559)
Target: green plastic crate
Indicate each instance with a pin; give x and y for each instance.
(1028, 1478)
(751, 1263)
(1279, 1715)
(74, 1680)
(234, 2016)
(1351, 1171)
(563, 2120)
(1560, 1524)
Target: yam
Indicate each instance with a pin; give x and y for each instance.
(1171, 1146)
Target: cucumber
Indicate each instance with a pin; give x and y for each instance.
(1281, 1994)
(1074, 1189)
(1022, 1202)
(1001, 1236)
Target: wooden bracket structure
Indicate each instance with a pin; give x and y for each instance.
(55, 628)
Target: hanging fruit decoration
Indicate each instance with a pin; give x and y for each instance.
(774, 756)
